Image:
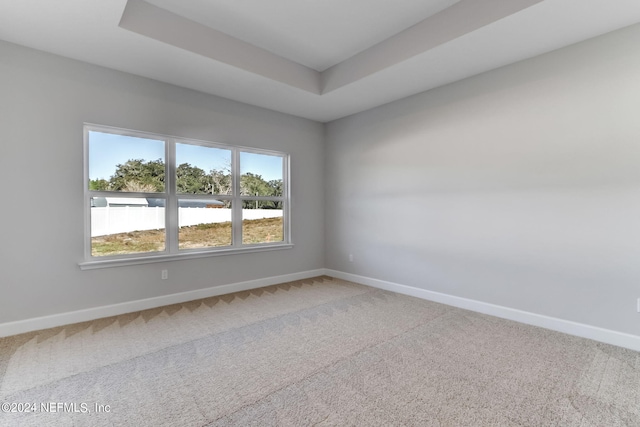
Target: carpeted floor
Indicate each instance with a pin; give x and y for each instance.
(319, 352)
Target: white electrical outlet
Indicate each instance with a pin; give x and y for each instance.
(165, 274)
(350, 257)
(638, 305)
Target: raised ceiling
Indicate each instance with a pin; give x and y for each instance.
(316, 34)
(316, 59)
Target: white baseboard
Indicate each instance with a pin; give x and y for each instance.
(608, 336)
(45, 322)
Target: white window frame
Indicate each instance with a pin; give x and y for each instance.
(171, 251)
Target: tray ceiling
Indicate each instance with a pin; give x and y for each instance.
(316, 59)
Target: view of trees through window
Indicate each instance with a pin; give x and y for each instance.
(203, 183)
(140, 176)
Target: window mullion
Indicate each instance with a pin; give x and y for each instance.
(236, 204)
(87, 197)
(286, 204)
(171, 208)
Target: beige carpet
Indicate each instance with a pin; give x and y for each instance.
(318, 352)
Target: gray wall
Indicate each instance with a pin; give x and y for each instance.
(519, 187)
(44, 100)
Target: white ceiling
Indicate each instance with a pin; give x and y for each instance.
(316, 59)
(317, 34)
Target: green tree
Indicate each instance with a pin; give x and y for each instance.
(253, 185)
(137, 172)
(277, 188)
(191, 180)
(219, 182)
(99, 185)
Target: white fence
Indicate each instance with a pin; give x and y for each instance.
(112, 220)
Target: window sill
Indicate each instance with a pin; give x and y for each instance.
(148, 259)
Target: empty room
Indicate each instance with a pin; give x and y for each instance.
(320, 213)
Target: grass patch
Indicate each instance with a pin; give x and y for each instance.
(128, 243)
(197, 236)
(205, 235)
(264, 230)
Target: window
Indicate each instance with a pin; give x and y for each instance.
(152, 197)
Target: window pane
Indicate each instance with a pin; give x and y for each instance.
(261, 223)
(203, 170)
(126, 225)
(125, 163)
(204, 223)
(261, 175)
